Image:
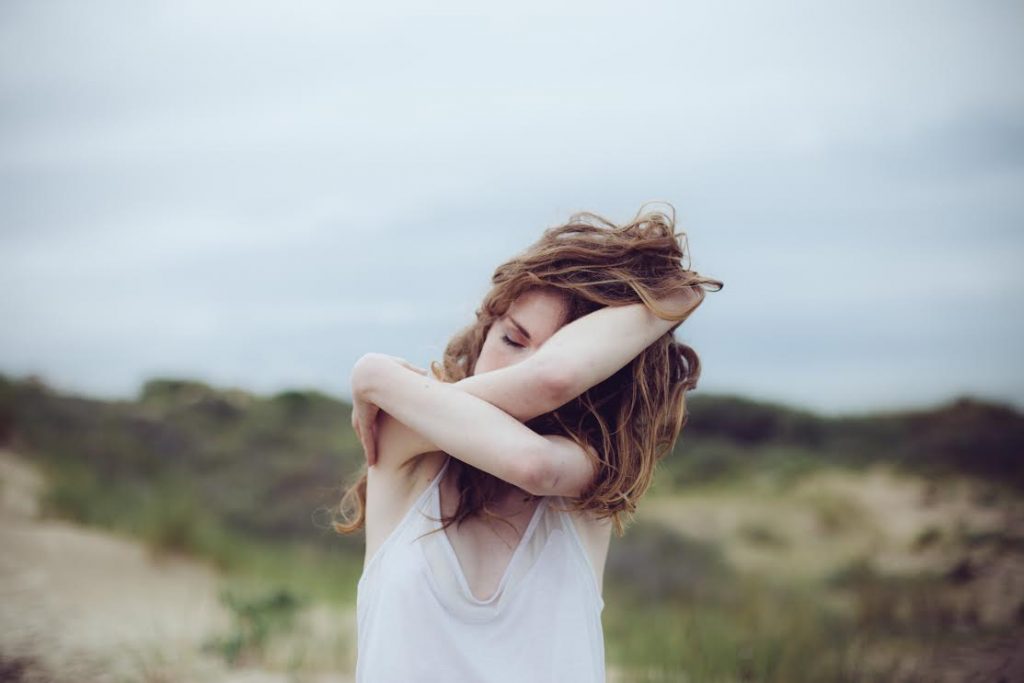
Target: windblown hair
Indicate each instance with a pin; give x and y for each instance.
(631, 420)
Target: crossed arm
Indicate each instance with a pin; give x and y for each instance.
(479, 419)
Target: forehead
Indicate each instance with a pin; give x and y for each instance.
(540, 311)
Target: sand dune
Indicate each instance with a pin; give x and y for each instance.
(82, 604)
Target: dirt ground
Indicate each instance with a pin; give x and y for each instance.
(78, 604)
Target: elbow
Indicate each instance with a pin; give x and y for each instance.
(366, 375)
(361, 374)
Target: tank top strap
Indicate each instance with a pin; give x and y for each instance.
(569, 526)
(411, 521)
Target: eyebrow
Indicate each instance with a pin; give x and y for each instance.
(521, 328)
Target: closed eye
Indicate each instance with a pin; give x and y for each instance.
(508, 341)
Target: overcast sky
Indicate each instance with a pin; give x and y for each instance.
(256, 194)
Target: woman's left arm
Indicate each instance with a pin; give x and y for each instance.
(467, 427)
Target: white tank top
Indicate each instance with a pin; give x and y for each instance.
(417, 619)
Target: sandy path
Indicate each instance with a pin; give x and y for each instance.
(85, 604)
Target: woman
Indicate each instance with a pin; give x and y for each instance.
(493, 484)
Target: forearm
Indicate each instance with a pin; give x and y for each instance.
(524, 390)
(453, 420)
(578, 356)
(595, 346)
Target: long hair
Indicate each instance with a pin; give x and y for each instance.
(628, 422)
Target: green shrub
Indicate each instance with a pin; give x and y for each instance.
(255, 620)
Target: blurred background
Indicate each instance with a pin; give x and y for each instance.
(209, 211)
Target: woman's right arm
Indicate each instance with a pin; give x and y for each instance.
(579, 355)
(594, 347)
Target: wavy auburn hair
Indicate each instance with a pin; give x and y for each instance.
(631, 419)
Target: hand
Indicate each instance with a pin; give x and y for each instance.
(364, 412)
(684, 300)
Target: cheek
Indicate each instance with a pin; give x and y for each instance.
(490, 356)
(496, 354)
(496, 351)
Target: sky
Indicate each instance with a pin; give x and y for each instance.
(254, 194)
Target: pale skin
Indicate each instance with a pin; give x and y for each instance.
(530, 363)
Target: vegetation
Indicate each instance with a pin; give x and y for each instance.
(255, 619)
(767, 550)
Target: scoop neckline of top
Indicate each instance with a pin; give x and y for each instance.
(450, 549)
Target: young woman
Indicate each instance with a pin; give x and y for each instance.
(494, 482)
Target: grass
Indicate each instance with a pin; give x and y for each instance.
(766, 550)
(807, 578)
(747, 600)
(167, 517)
(759, 632)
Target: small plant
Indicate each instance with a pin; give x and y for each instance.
(927, 538)
(762, 535)
(256, 619)
(836, 514)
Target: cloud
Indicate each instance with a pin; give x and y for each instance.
(182, 182)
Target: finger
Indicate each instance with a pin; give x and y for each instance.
(373, 443)
(361, 432)
(371, 453)
(369, 444)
